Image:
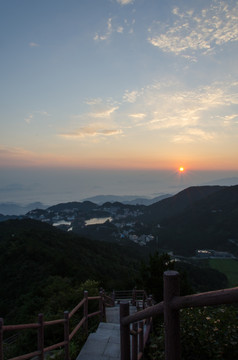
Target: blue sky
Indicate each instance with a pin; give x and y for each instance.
(119, 84)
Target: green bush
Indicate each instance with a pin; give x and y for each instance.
(209, 333)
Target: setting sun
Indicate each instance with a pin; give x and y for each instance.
(181, 169)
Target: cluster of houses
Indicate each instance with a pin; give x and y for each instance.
(213, 254)
(68, 218)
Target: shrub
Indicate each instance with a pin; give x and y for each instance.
(209, 333)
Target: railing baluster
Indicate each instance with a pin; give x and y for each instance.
(66, 334)
(86, 312)
(41, 336)
(135, 341)
(125, 333)
(141, 337)
(1, 338)
(171, 317)
(101, 306)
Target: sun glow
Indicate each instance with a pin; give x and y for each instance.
(181, 169)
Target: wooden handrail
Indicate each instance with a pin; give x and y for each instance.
(217, 297)
(170, 307)
(67, 336)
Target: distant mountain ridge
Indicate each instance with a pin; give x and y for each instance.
(12, 208)
(126, 199)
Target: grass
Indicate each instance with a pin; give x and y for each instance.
(229, 267)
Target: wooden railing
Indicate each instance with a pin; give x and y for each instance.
(170, 307)
(41, 325)
(137, 297)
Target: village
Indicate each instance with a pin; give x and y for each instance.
(122, 220)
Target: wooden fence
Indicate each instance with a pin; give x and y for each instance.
(170, 307)
(137, 325)
(41, 325)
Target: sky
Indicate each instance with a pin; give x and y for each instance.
(115, 87)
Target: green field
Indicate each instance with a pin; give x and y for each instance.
(229, 267)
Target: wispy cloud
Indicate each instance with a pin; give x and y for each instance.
(31, 116)
(114, 26)
(185, 115)
(138, 116)
(201, 32)
(91, 130)
(103, 113)
(33, 44)
(193, 135)
(131, 96)
(125, 2)
(107, 32)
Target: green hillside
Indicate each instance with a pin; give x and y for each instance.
(229, 267)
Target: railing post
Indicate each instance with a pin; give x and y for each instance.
(134, 297)
(141, 337)
(149, 303)
(66, 335)
(135, 341)
(125, 332)
(85, 310)
(41, 336)
(1, 338)
(171, 317)
(114, 297)
(101, 306)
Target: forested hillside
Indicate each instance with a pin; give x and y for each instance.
(35, 256)
(210, 223)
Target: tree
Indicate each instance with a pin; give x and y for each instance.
(151, 274)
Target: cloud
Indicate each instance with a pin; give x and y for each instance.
(91, 130)
(125, 2)
(181, 114)
(103, 113)
(201, 32)
(130, 96)
(120, 29)
(193, 135)
(95, 101)
(113, 26)
(33, 44)
(138, 116)
(29, 118)
(107, 33)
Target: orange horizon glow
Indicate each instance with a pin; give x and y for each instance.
(21, 159)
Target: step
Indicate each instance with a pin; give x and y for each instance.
(104, 344)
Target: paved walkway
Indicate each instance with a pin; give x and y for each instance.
(104, 344)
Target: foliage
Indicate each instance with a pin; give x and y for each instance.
(39, 262)
(151, 274)
(209, 333)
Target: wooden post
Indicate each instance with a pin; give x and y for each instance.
(135, 341)
(125, 332)
(101, 306)
(41, 336)
(134, 297)
(1, 338)
(66, 335)
(141, 337)
(171, 317)
(149, 303)
(86, 312)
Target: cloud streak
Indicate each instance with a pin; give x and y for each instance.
(92, 130)
(192, 33)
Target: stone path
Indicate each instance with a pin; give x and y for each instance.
(104, 344)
